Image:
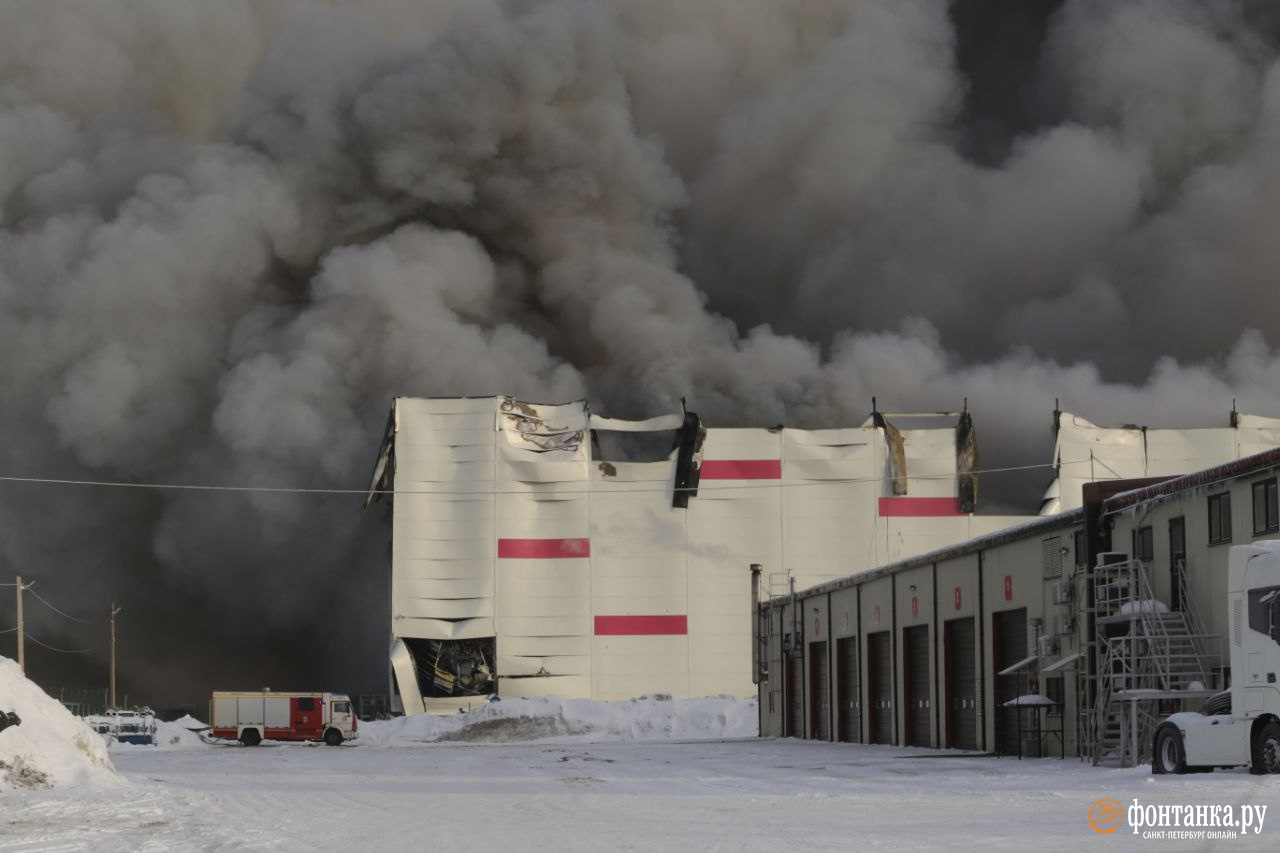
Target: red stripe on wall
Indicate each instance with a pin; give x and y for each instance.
(742, 469)
(919, 507)
(636, 625)
(543, 549)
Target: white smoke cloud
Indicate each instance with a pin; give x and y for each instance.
(231, 232)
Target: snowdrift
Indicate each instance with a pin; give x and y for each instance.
(655, 717)
(51, 748)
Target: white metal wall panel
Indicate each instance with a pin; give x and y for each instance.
(544, 543)
(442, 580)
(931, 462)
(732, 523)
(831, 485)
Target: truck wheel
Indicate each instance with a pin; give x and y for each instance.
(1266, 749)
(333, 737)
(1167, 754)
(250, 737)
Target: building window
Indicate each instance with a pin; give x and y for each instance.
(1051, 556)
(1219, 518)
(1082, 550)
(1053, 692)
(1143, 544)
(1265, 518)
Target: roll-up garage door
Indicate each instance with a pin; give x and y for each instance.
(848, 689)
(1009, 640)
(795, 696)
(915, 657)
(880, 686)
(962, 694)
(819, 693)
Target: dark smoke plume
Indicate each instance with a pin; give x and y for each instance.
(231, 232)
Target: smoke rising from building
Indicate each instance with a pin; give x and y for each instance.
(231, 232)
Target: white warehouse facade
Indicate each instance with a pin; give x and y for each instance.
(543, 549)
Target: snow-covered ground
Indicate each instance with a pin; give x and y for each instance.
(642, 795)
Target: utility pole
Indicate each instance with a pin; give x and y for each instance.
(22, 631)
(114, 611)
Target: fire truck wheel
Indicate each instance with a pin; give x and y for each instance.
(250, 737)
(1167, 756)
(333, 737)
(1266, 749)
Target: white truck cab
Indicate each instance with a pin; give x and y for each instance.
(1242, 725)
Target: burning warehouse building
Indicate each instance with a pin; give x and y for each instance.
(544, 549)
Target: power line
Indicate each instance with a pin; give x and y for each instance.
(8, 630)
(54, 609)
(204, 487)
(53, 649)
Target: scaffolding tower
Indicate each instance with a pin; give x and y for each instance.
(1148, 659)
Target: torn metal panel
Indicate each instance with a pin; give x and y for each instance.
(543, 428)
(384, 466)
(406, 675)
(661, 423)
(966, 464)
(689, 444)
(897, 454)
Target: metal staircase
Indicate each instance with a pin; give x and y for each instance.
(1146, 655)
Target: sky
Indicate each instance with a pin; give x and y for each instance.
(231, 233)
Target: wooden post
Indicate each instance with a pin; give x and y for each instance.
(22, 630)
(114, 611)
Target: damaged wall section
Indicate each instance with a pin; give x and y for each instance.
(1085, 452)
(560, 552)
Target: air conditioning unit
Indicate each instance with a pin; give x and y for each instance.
(1064, 625)
(1062, 591)
(1048, 645)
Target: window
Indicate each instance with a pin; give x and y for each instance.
(1053, 692)
(341, 707)
(1219, 518)
(1264, 611)
(1051, 556)
(1143, 544)
(1265, 517)
(1082, 551)
(1177, 560)
(306, 703)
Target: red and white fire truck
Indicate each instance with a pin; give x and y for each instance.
(265, 715)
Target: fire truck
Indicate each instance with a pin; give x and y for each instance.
(265, 715)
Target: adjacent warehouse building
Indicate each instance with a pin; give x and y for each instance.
(545, 549)
(1068, 635)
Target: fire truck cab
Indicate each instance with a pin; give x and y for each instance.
(264, 715)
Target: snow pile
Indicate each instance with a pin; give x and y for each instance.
(180, 734)
(655, 717)
(1148, 605)
(51, 748)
